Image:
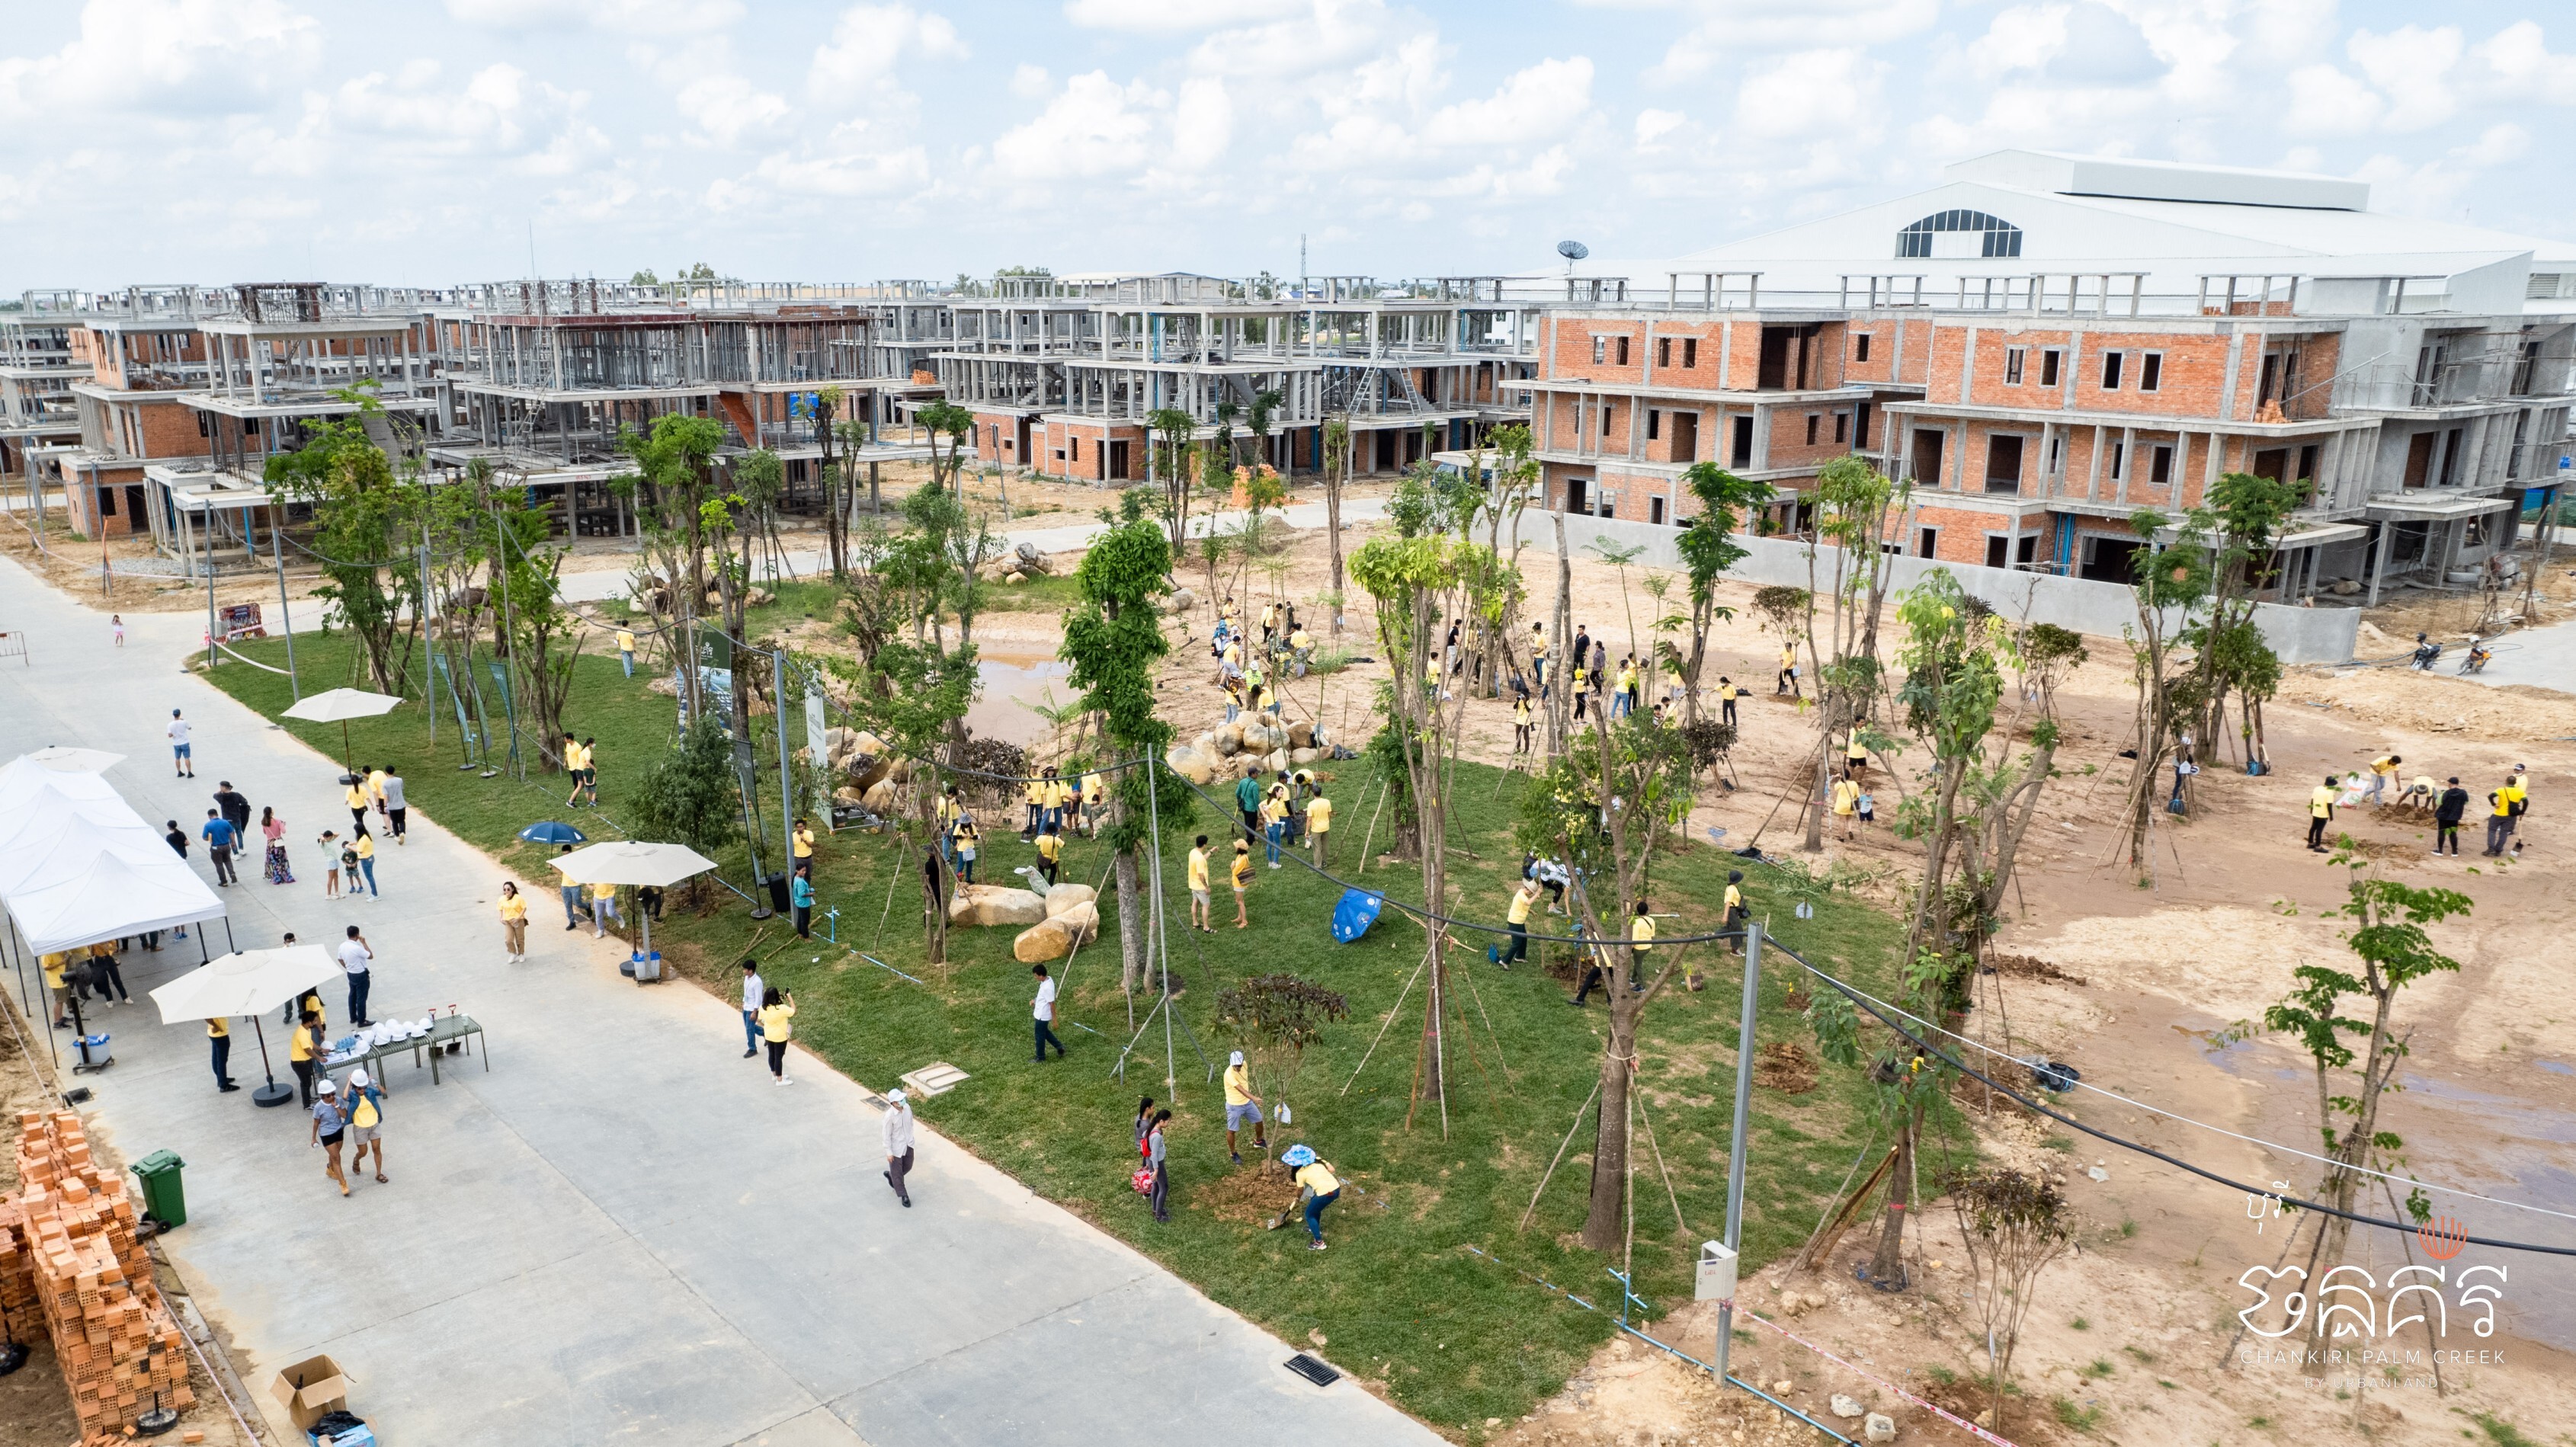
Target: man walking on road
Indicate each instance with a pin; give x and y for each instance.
(752, 986)
(1044, 1013)
(182, 764)
(396, 813)
(355, 958)
(898, 1144)
(221, 840)
(236, 809)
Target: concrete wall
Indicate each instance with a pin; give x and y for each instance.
(2298, 635)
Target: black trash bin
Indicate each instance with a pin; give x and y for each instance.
(778, 893)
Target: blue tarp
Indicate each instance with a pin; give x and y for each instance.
(1356, 912)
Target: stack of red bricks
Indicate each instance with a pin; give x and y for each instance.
(68, 1247)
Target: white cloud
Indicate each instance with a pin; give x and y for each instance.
(869, 42)
(148, 57)
(2326, 102)
(1030, 82)
(1810, 94)
(725, 106)
(1093, 127)
(619, 17)
(2524, 68)
(1202, 123)
(2025, 37)
(2412, 66)
(1534, 104)
(1653, 125)
(1164, 16)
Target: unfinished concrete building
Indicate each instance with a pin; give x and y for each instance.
(2047, 344)
(1063, 373)
(37, 371)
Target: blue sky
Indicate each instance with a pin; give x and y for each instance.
(221, 140)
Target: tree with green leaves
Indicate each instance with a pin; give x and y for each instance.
(912, 694)
(675, 475)
(689, 796)
(2170, 578)
(1857, 507)
(827, 406)
(2013, 1224)
(1600, 807)
(1275, 1017)
(2242, 520)
(1171, 429)
(950, 427)
(539, 636)
(2393, 951)
(1621, 559)
(1708, 550)
(366, 531)
(1114, 641)
(1337, 475)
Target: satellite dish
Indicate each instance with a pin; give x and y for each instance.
(1573, 250)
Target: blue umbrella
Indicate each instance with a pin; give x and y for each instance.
(1355, 913)
(551, 832)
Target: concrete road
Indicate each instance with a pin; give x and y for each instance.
(621, 1230)
(2542, 657)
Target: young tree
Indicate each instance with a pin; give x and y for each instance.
(2388, 938)
(1856, 506)
(1708, 549)
(1337, 475)
(1113, 640)
(1600, 808)
(912, 695)
(956, 426)
(1274, 1017)
(689, 797)
(1172, 429)
(367, 531)
(2014, 1224)
(2171, 579)
(1620, 558)
(675, 473)
(2242, 522)
(541, 637)
(836, 515)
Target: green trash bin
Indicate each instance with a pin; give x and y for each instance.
(163, 1200)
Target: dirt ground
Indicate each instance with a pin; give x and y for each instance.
(35, 1406)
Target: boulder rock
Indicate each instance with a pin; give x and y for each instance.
(1066, 896)
(1879, 1428)
(1030, 558)
(1301, 735)
(994, 904)
(1277, 763)
(1228, 740)
(1014, 578)
(1303, 757)
(1192, 765)
(1846, 1407)
(849, 795)
(868, 770)
(1053, 939)
(877, 798)
(1181, 600)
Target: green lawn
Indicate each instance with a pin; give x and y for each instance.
(1455, 1339)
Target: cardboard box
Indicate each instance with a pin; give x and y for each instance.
(310, 1388)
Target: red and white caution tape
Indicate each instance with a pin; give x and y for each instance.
(1944, 1414)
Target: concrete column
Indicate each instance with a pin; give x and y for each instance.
(2093, 473)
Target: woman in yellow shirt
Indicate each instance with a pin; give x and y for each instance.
(1050, 853)
(1319, 823)
(305, 1053)
(1035, 798)
(1091, 801)
(365, 848)
(1846, 800)
(514, 923)
(355, 796)
(777, 1009)
(1521, 725)
(1242, 881)
(1274, 821)
(1317, 1187)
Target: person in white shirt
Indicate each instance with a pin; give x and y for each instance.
(898, 1144)
(1044, 1011)
(183, 766)
(355, 962)
(752, 985)
(394, 807)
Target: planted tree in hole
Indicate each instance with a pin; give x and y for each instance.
(2172, 579)
(367, 518)
(689, 796)
(1171, 429)
(1337, 475)
(2014, 1224)
(950, 427)
(1708, 550)
(914, 695)
(1274, 1017)
(2392, 951)
(2242, 522)
(827, 407)
(675, 474)
(1600, 807)
(1113, 640)
(534, 630)
(2048, 654)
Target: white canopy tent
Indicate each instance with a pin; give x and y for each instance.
(78, 865)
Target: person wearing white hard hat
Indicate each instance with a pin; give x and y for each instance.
(330, 1126)
(898, 1144)
(365, 1101)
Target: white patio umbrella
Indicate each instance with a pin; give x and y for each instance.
(251, 983)
(340, 705)
(636, 862)
(68, 759)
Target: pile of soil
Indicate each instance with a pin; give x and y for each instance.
(1247, 1195)
(1785, 1066)
(2030, 967)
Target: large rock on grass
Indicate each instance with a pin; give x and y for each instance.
(995, 904)
(1055, 938)
(1066, 897)
(1192, 765)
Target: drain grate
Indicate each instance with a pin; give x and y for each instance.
(1313, 1370)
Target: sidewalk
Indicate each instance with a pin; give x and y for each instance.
(622, 1230)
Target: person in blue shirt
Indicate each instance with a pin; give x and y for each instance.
(221, 840)
(800, 893)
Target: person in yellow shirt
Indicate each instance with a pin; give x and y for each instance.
(376, 789)
(962, 839)
(1199, 886)
(1242, 1107)
(1274, 821)
(1319, 823)
(2383, 772)
(1317, 1187)
(514, 923)
(1093, 801)
(1641, 942)
(1058, 795)
(626, 649)
(1736, 914)
(2321, 807)
(1846, 799)
(573, 765)
(219, 1040)
(354, 794)
(777, 1012)
(2505, 813)
(364, 846)
(58, 985)
(1538, 657)
(1301, 649)
(1727, 694)
(1582, 688)
(603, 908)
(1242, 881)
(1521, 726)
(1050, 853)
(1855, 756)
(1517, 916)
(803, 840)
(305, 1053)
(1788, 670)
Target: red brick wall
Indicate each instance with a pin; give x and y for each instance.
(84, 511)
(1962, 533)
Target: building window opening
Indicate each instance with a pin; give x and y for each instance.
(1958, 234)
(2013, 357)
(2151, 371)
(1860, 347)
(1812, 419)
(1690, 353)
(2111, 370)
